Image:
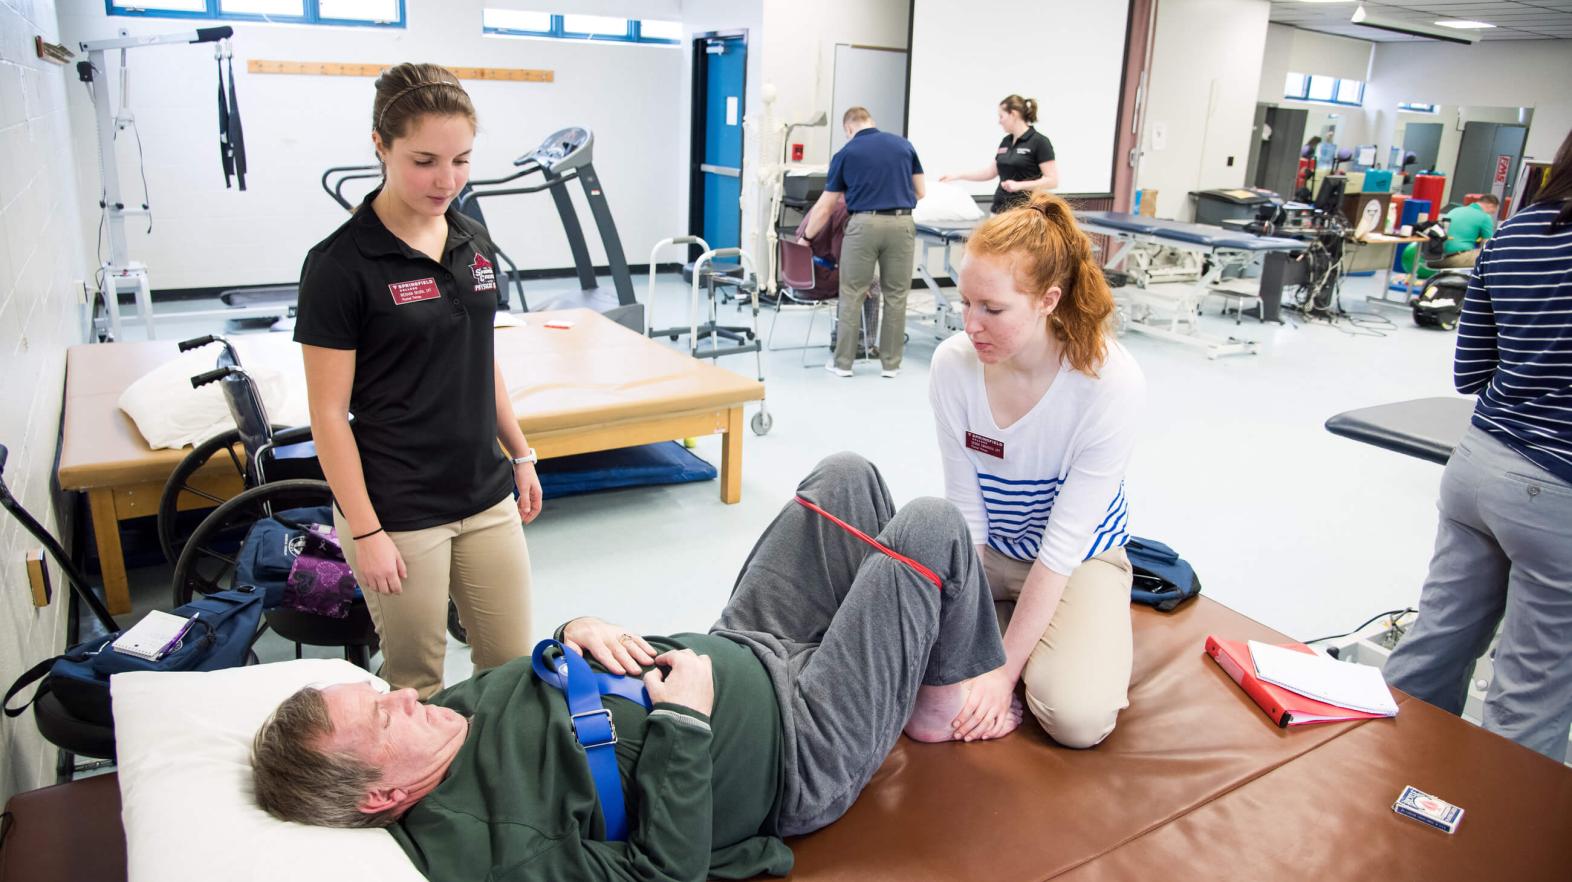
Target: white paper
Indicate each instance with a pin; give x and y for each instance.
(1354, 686)
(146, 638)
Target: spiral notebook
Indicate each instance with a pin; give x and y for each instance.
(157, 635)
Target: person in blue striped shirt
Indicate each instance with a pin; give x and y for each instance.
(1036, 409)
(1503, 553)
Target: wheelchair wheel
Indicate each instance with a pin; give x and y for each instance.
(184, 490)
(455, 626)
(208, 558)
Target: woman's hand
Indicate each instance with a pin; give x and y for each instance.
(528, 482)
(617, 649)
(381, 566)
(945, 179)
(989, 711)
(1010, 186)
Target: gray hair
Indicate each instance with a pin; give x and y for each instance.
(295, 781)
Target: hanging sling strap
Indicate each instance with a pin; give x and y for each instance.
(923, 571)
(224, 151)
(237, 137)
(583, 687)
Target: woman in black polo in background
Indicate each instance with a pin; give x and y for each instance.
(1024, 161)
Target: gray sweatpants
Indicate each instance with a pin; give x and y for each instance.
(848, 633)
(1503, 557)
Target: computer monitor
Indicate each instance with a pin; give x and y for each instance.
(1330, 198)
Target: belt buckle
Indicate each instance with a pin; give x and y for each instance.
(610, 724)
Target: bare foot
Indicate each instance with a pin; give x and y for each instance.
(937, 707)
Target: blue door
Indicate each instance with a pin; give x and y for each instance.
(727, 60)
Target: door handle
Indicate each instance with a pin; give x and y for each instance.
(726, 170)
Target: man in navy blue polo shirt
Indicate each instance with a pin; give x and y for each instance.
(882, 178)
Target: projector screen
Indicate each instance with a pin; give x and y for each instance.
(967, 55)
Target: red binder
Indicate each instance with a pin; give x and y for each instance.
(1285, 708)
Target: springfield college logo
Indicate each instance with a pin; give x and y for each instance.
(485, 276)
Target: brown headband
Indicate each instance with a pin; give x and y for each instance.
(377, 124)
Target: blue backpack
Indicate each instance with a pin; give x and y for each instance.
(220, 637)
(1162, 578)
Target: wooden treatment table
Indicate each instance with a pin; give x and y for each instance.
(1195, 783)
(594, 386)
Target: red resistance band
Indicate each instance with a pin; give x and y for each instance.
(923, 571)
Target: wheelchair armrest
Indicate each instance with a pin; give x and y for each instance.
(293, 435)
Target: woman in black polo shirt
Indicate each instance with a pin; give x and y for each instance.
(395, 321)
(1024, 161)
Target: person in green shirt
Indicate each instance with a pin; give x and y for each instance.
(1467, 228)
(849, 624)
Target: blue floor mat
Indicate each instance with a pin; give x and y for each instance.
(665, 463)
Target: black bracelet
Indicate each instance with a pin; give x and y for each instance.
(367, 535)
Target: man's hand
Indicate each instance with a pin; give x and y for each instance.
(988, 712)
(381, 567)
(620, 651)
(690, 683)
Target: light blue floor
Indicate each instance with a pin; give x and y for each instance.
(1302, 530)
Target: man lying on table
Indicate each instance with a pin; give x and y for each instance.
(768, 726)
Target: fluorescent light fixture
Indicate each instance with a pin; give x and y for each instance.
(1396, 26)
(1464, 24)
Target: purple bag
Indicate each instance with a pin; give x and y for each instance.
(320, 581)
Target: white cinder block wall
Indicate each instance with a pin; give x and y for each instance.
(204, 235)
(40, 257)
(1205, 76)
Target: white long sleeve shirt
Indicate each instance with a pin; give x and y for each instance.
(1049, 487)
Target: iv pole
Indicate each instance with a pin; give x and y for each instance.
(120, 270)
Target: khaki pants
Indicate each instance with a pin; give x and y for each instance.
(883, 242)
(1460, 259)
(483, 561)
(1078, 677)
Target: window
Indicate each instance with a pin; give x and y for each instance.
(600, 28)
(1416, 108)
(1318, 87)
(377, 13)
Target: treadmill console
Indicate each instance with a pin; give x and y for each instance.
(562, 151)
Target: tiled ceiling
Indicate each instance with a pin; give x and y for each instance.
(1513, 20)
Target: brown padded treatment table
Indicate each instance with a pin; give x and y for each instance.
(1195, 783)
(594, 386)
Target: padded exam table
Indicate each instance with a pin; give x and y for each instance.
(594, 386)
(1427, 428)
(1195, 783)
(946, 236)
(1224, 248)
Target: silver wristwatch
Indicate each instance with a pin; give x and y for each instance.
(530, 457)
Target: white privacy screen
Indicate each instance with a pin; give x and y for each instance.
(966, 55)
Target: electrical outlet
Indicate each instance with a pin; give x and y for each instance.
(38, 577)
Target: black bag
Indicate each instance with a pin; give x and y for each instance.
(1163, 579)
(220, 637)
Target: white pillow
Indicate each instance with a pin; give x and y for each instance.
(184, 745)
(169, 413)
(946, 203)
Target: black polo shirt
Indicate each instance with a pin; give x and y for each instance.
(424, 392)
(1020, 161)
(874, 169)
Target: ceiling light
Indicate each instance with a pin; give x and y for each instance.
(1463, 24)
(1397, 26)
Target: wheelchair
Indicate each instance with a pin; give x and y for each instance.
(281, 476)
(1439, 303)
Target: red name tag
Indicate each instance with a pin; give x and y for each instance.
(414, 292)
(983, 444)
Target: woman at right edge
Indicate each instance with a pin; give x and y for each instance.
(1036, 408)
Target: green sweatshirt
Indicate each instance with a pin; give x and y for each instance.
(518, 801)
(1467, 228)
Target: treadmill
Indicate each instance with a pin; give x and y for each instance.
(564, 156)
